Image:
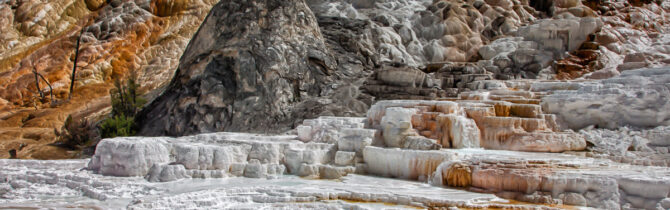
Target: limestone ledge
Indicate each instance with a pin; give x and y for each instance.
(530, 177)
(41, 184)
(210, 156)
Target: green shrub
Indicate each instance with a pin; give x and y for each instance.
(125, 105)
(79, 133)
(125, 100)
(118, 126)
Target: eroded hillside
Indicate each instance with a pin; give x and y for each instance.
(116, 37)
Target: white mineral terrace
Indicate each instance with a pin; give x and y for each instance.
(62, 184)
(487, 149)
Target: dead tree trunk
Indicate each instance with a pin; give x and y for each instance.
(74, 66)
(37, 83)
(51, 90)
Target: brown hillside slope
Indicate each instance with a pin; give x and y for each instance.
(146, 36)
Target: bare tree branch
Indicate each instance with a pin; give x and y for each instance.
(37, 83)
(51, 90)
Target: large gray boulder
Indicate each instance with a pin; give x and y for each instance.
(254, 66)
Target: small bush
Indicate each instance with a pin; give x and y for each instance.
(82, 134)
(125, 100)
(125, 105)
(77, 133)
(118, 126)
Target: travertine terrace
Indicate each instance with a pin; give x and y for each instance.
(492, 142)
(341, 104)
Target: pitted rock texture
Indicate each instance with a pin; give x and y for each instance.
(637, 98)
(632, 146)
(515, 39)
(403, 82)
(518, 35)
(419, 32)
(257, 66)
(634, 35)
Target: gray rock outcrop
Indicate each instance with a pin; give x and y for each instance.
(257, 66)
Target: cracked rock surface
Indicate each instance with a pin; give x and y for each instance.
(259, 66)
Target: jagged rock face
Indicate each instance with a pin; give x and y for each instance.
(536, 46)
(632, 37)
(482, 40)
(516, 39)
(419, 32)
(251, 67)
(422, 32)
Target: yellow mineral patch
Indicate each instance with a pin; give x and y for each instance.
(164, 8)
(94, 4)
(458, 175)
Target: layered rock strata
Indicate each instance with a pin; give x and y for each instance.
(216, 156)
(403, 82)
(527, 176)
(646, 147)
(474, 122)
(532, 177)
(459, 77)
(435, 80)
(40, 184)
(637, 98)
